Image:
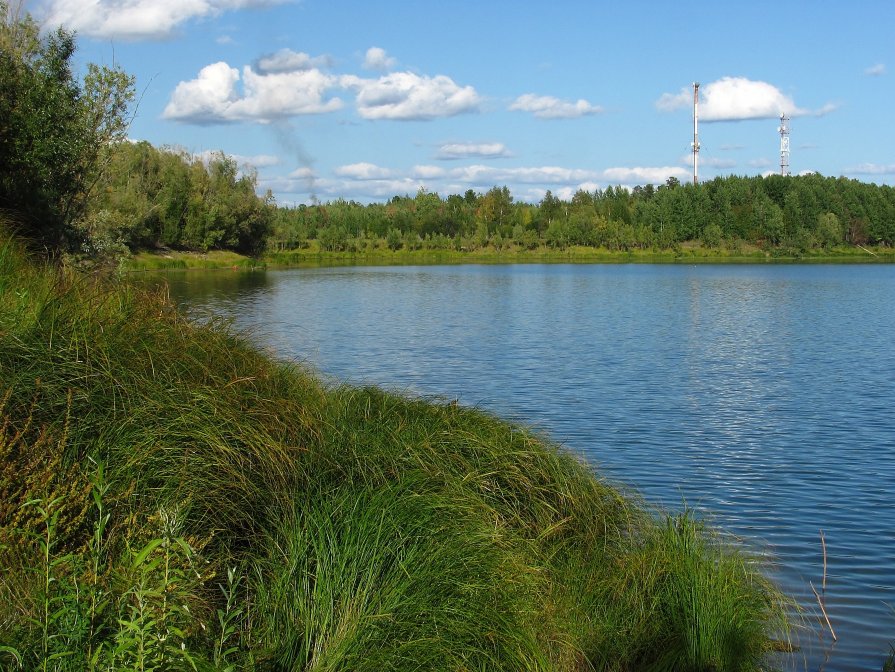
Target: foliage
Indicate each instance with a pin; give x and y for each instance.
(801, 214)
(53, 129)
(163, 198)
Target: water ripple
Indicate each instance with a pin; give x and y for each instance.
(760, 395)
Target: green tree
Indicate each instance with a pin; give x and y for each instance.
(829, 229)
(495, 208)
(548, 210)
(54, 128)
(394, 240)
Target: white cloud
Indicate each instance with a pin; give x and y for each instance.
(669, 102)
(872, 169)
(286, 60)
(465, 150)
(377, 59)
(489, 176)
(206, 98)
(644, 175)
(876, 70)
(408, 96)
(257, 161)
(285, 94)
(136, 19)
(213, 96)
(363, 171)
(366, 189)
(303, 173)
(427, 172)
(548, 107)
(737, 99)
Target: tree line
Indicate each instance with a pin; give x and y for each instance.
(794, 212)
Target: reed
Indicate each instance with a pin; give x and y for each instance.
(181, 500)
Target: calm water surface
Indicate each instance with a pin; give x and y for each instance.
(763, 396)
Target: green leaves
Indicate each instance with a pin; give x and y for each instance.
(53, 128)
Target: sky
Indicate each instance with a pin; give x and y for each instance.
(330, 99)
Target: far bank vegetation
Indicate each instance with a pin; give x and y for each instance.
(163, 198)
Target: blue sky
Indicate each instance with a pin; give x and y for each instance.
(334, 99)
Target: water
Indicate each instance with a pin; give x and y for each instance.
(763, 396)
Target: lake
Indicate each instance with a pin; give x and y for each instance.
(761, 395)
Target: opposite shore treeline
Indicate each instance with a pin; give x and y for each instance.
(151, 198)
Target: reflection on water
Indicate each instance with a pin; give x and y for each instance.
(761, 395)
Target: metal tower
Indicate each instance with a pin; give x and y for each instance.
(784, 144)
(695, 132)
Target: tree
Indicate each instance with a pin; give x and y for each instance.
(54, 129)
(548, 209)
(494, 208)
(829, 229)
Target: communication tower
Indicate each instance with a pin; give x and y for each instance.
(695, 132)
(784, 144)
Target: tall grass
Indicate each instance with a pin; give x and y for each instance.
(177, 499)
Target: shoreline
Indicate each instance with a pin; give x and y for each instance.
(310, 257)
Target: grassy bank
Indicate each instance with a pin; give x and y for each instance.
(688, 253)
(173, 498)
(158, 260)
(381, 255)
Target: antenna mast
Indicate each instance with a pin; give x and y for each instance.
(695, 132)
(784, 144)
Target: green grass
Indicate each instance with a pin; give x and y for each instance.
(159, 260)
(173, 498)
(690, 253)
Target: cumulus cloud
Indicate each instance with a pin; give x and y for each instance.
(738, 99)
(377, 59)
(408, 96)
(465, 150)
(286, 60)
(876, 70)
(427, 172)
(488, 175)
(136, 19)
(213, 97)
(363, 171)
(350, 188)
(206, 98)
(644, 175)
(548, 107)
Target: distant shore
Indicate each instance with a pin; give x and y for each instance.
(374, 256)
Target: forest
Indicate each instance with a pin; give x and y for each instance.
(150, 198)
